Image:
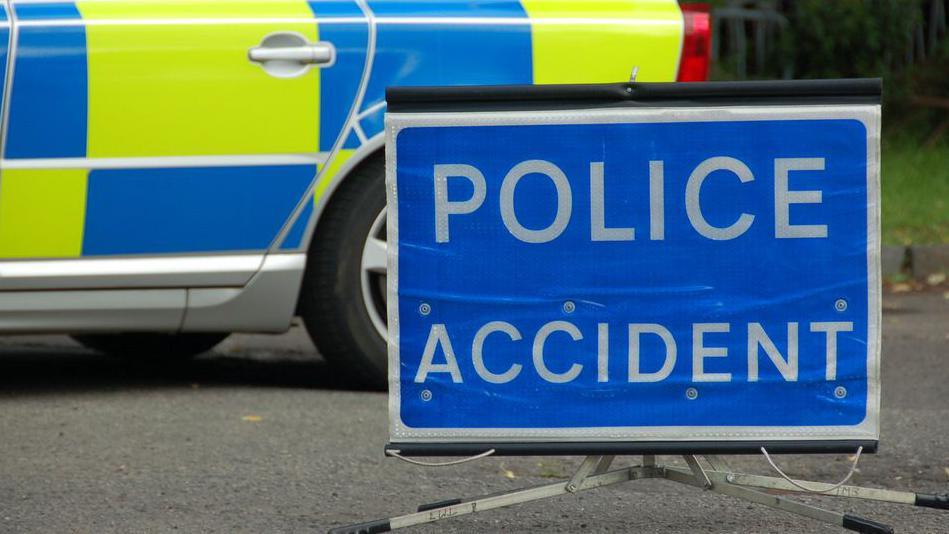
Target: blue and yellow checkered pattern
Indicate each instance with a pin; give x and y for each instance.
(142, 80)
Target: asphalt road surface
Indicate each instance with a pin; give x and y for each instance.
(261, 436)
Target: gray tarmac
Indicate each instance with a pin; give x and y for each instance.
(262, 436)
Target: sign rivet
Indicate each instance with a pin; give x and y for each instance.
(691, 393)
(840, 392)
(569, 307)
(840, 305)
(425, 309)
(426, 395)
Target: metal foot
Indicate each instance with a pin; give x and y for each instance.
(371, 527)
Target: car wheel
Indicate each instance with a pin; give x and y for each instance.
(151, 346)
(343, 302)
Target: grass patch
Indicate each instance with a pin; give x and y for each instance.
(915, 184)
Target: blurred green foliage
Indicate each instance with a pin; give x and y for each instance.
(849, 38)
(878, 38)
(844, 39)
(889, 39)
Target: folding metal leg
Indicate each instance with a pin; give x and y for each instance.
(581, 481)
(720, 484)
(587, 467)
(853, 492)
(775, 484)
(604, 464)
(718, 463)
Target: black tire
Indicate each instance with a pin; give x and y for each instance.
(151, 347)
(331, 302)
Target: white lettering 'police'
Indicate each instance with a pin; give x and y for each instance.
(444, 207)
(693, 206)
(784, 198)
(564, 201)
(598, 229)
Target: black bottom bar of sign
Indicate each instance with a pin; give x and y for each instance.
(633, 448)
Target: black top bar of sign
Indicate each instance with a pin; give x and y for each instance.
(633, 448)
(513, 97)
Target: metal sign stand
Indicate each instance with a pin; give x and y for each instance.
(658, 110)
(718, 477)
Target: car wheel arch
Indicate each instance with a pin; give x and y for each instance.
(373, 147)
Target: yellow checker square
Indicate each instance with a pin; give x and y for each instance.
(172, 78)
(573, 44)
(42, 212)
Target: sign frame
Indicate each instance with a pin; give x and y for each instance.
(434, 106)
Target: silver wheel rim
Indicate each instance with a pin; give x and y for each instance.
(373, 274)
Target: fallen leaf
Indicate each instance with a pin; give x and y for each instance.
(508, 474)
(947, 472)
(252, 418)
(936, 278)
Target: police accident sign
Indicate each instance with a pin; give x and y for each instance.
(633, 273)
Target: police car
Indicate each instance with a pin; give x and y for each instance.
(174, 171)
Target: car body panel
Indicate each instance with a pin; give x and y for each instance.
(163, 85)
(156, 132)
(47, 51)
(42, 212)
(154, 137)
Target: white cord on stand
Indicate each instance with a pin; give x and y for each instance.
(796, 484)
(396, 454)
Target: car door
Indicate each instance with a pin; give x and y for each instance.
(169, 141)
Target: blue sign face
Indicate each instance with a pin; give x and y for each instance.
(635, 274)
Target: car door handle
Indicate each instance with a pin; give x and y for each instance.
(316, 54)
(289, 54)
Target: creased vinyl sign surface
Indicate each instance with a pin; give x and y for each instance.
(684, 274)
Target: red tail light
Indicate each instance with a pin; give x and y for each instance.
(696, 43)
